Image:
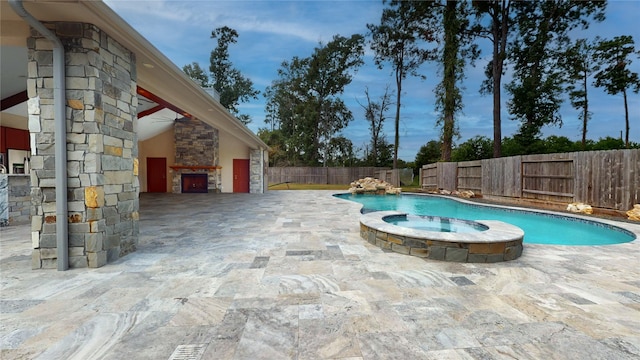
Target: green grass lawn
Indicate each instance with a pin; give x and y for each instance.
(293, 186)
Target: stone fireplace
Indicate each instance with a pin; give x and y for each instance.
(195, 183)
(196, 158)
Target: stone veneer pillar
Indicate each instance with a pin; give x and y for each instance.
(258, 165)
(102, 165)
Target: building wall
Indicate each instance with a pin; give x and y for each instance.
(230, 148)
(197, 143)
(102, 165)
(160, 146)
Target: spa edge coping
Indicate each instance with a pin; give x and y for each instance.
(497, 232)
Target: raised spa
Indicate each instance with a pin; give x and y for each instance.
(442, 238)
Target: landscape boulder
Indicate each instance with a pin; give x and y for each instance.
(466, 194)
(463, 194)
(370, 185)
(580, 208)
(634, 214)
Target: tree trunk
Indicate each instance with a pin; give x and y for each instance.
(497, 126)
(396, 144)
(585, 114)
(497, 75)
(316, 141)
(447, 139)
(497, 121)
(626, 118)
(450, 57)
(500, 30)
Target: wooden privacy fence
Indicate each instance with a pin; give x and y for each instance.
(392, 176)
(605, 179)
(320, 175)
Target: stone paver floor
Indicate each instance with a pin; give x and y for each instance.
(285, 275)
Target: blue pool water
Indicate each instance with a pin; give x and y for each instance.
(435, 223)
(538, 228)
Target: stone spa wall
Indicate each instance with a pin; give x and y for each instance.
(500, 242)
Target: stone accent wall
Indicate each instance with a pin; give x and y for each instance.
(15, 199)
(4, 200)
(197, 144)
(103, 186)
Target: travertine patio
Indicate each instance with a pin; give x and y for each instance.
(285, 275)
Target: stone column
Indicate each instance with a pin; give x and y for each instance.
(102, 171)
(257, 171)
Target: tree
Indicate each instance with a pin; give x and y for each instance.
(375, 114)
(197, 74)
(497, 31)
(579, 65)
(542, 33)
(228, 81)
(476, 148)
(454, 55)
(558, 144)
(340, 152)
(616, 77)
(305, 102)
(283, 109)
(448, 23)
(395, 40)
(429, 153)
(277, 145)
(514, 145)
(281, 103)
(609, 143)
(384, 155)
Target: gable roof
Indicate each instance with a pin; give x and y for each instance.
(155, 72)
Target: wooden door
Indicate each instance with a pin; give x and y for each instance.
(157, 175)
(240, 175)
(16, 139)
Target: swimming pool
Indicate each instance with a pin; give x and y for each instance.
(539, 228)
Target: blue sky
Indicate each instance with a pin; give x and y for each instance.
(274, 31)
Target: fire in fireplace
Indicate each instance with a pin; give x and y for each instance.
(195, 183)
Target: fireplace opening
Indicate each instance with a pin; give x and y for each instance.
(195, 183)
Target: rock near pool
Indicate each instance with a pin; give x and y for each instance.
(373, 186)
(634, 214)
(580, 208)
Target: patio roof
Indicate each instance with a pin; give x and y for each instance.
(155, 72)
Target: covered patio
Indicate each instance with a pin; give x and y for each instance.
(99, 115)
(222, 276)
